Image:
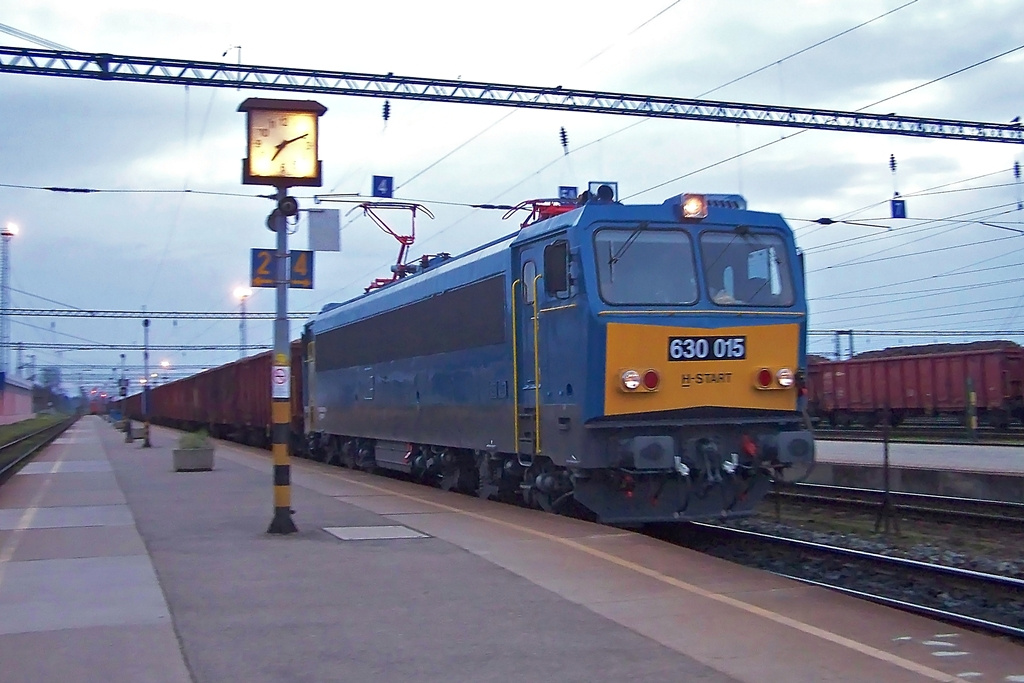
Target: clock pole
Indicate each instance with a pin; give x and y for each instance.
(282, 522)
(282, 152)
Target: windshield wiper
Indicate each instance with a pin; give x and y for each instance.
(612, 260)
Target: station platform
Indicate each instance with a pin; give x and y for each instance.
(965, 470)
(115, 568)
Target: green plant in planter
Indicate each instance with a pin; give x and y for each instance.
(190, 440)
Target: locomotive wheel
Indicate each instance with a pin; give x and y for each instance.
(348, 455)
(464, 477)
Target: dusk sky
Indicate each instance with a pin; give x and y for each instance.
(954, 264)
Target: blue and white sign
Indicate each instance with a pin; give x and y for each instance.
(568, 192)
(899, 208)
(383, 186)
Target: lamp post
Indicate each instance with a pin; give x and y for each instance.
(122, 391)
(9, 230)
(145, 386)
(242, 294)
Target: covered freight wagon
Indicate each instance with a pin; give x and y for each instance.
(920, 381)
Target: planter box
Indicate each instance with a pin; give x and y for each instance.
(193, 459)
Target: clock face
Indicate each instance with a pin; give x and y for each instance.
(282, 144)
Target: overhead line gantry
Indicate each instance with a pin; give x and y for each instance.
(170, 315)
(111, 67)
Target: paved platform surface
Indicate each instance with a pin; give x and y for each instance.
(114, 568)
(986, 459)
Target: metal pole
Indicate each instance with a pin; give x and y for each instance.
(280, 383)
(241, 331)
(972, 408)
(124, 406)
(5, 297)
(145, 387)
(887, 517)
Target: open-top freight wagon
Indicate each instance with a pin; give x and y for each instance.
(229, 402)
(920, 381)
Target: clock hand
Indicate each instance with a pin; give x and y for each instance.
(284, 143)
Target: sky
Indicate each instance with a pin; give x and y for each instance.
(953, 265)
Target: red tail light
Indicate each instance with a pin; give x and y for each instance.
(764, 378)
(651, 380)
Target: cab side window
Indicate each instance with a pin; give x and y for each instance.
(529, 276)
(556, 268)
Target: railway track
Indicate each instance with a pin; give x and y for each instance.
(940, 508)
(17, 451)
(972, 599)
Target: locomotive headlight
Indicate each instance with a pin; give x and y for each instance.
(784, 377)
(695, 206)
(630, 380)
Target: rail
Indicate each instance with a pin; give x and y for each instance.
(983, 595)
(49, 433)
(949, 507)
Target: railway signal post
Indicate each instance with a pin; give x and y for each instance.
(282, 152)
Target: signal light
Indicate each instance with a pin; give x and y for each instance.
(784, 377)
(764, 378)
(651, 380)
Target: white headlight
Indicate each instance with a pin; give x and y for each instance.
(630, 380)
(784, 377)
(695, 206)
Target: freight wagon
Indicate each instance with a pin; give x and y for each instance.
(229, 402)
(919, 382)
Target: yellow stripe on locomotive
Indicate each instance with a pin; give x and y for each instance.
(652, 368)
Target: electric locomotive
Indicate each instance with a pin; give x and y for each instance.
(643, 363)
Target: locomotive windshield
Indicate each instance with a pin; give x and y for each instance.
(746, 269)
(640, 266)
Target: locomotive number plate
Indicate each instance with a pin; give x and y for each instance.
(707, 348)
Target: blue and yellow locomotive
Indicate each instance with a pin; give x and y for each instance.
(642, 362)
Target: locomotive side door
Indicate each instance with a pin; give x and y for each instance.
(542, 277)
(528, 282)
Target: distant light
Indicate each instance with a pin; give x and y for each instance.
(142, 380)
(10, 230)
(242, 293)
(165, 363)
(153, 374)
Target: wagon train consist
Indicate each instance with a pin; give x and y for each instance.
(920, 381)
(644, 363)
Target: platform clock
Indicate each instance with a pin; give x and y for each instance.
(282, 137)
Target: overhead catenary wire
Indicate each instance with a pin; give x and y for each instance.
(629, 126)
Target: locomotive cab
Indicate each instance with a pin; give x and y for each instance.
(663, 357)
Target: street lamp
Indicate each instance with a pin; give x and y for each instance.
(145, 389)
(242, 294)
(9, 230)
